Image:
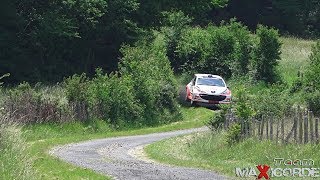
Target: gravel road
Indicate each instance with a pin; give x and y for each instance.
(117, 157)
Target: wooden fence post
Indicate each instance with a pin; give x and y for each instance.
(317, 130)
(261, 129)
(300, 119)
(295, 121)
(277, 134)
(310, 116)
(253, 127)
(305, 129)
(267, 127)
(271, 128)
(282, 130)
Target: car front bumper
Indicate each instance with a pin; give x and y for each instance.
(212, 99)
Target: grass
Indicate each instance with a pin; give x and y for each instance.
(43, 137)
(14, 156)
(208, 151)
(294, 57)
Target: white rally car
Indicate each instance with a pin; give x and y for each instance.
(208, 88)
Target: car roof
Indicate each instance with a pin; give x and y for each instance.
(207, 75)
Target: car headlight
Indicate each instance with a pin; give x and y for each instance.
(226, 92)
(199, 90)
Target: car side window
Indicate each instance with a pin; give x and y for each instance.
(193, 82)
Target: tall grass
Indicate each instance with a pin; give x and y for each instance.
(15, 161)
(294, 57)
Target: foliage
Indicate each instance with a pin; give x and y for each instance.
(206, 50)
(243, 104)
(224, 50)
(313, 70)
(114, 98)
(26, 104)
(243, 46)
(233, 134)
(14, 156)
(266, 55)
(218, 119)
(174, 24)
(153, 79)
(291, 17)
(312, 80)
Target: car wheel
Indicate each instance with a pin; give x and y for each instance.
(186, 97)
(193, 103)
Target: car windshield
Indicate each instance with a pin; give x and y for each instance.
(210, 82)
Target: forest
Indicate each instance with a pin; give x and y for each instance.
(45, 41)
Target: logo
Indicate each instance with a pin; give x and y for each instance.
(281, 168)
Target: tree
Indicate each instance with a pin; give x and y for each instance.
(266, 55)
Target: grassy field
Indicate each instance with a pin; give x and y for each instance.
(208, 151)
(42, 138)
(294, 57)
(212, 152)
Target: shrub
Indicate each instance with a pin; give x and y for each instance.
(114, 98)
(223, 50)
(219, 118)
(266, 54)
(76, 88)
(174, 23)
(313, 102)
(206, 50)
(234, 134)
(312, 82)
(239, 64)
(25, 104)
(153, 81)
(243, 106)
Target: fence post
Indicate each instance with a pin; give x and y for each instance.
(306, 129)
(253, 127)
(262, 126)
(267, 126)
(282, 130)
(295, 121)
(317, 130)
(310, 116)
(271, 128)
(300, 119)
(277, 134)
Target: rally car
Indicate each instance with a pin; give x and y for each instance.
(207, 88)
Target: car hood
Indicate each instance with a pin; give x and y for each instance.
(212, 89)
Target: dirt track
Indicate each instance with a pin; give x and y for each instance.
(117, 157)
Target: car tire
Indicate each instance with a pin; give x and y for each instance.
(193, 103)
(186, 98)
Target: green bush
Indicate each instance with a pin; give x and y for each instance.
(234, 134)
(223, 50)
(174, 23)
(219, 118)
(312, 82)
(114, 100)
(239, 64)
(243, 104)
(76, 88)
(313, 102)
(206, 50)
(26, 104)
(265, 55)
(153, 81)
